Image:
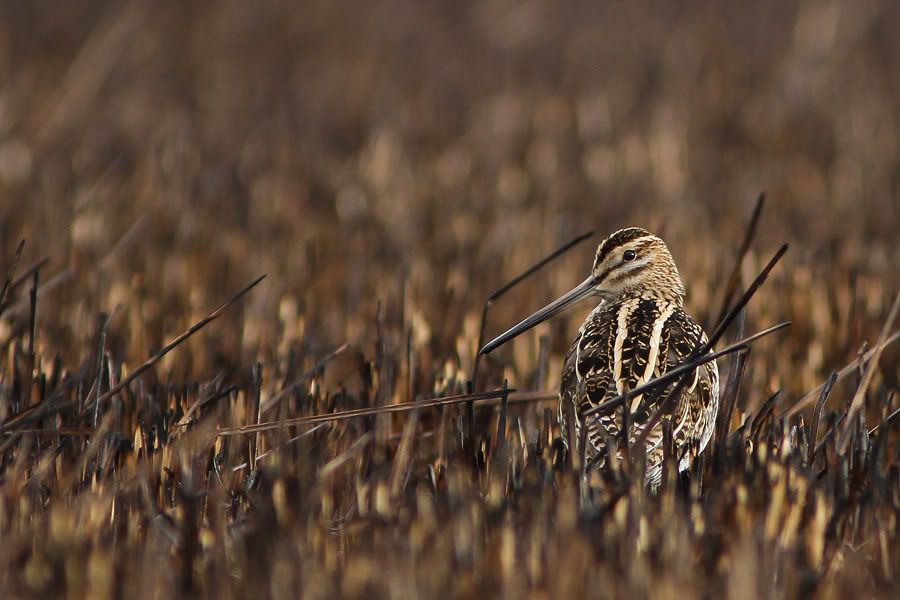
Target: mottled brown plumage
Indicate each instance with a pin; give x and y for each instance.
(637, 332)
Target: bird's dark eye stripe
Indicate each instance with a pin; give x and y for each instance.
(619, 239)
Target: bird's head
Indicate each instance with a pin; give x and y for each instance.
(635, 262)
(630, 262)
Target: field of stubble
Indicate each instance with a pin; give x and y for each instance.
(387, 165)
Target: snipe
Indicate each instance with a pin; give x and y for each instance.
(637, 332)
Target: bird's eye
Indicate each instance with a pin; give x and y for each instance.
(629, 255)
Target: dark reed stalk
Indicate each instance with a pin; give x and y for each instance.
(32, 332)
(829, 435)
(730, 395)
(469, 442)
(817, 414)
(51, 284)
(402, 457)
(742, 302)
(10, 273)
(385, 386)
(735, 276)
(543, 362)
(363, 412)
(98, 383)
(500, 434)
(255, 399)
(442, 437)
(27, 273)
(763, 414)
(410, 391)
(733, 386)
(62, 431)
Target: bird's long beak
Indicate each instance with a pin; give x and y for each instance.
(582, 291)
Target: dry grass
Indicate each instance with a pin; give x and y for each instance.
(388, 164)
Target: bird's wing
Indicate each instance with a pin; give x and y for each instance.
(695, 411)
(587, 375)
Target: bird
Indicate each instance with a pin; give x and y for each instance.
(638, 331)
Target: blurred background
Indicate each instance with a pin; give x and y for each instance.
(394, 161)
(388, 164)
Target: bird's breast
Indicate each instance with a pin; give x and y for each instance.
(622, 345)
